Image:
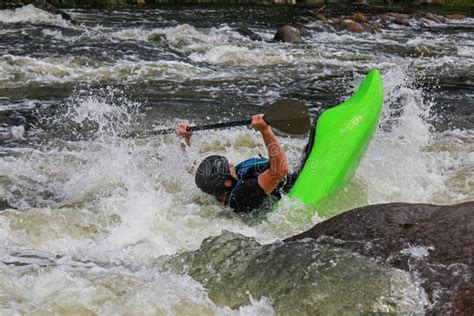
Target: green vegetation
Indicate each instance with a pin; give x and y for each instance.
(460, 3)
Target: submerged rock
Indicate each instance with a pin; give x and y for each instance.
(155, 37)
(352, 26)
(320, 16)
(385, 18)
(434, 242)
(6, 120)
(373, 18)
(359, 17)
(455, 16)
(434, 17)
(53, 10)
(399, 15)
(393, 17)
(4, 204)
(402, 21)
(248, 33)
(12, 118)
(298, 278)
(288, 34)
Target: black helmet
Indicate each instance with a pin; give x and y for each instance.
(212, 174)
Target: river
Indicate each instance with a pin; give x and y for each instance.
(103, 224)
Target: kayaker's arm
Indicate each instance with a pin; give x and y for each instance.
(182, 132)
(270, 179)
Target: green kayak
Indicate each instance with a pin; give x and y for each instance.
(342, 136)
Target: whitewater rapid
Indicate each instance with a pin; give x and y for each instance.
(92, 212)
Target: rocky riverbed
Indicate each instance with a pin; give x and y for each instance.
(359, 22)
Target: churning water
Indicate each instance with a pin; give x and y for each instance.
(99, 223)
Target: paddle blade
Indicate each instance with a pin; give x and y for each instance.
(289, 116)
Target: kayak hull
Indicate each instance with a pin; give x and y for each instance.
(343, 134)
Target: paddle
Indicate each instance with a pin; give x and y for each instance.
(288, 116)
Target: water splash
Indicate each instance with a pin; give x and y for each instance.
(397, 166)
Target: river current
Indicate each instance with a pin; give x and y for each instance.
(97, 223)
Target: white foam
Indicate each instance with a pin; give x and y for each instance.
(74, 69)
(231, 54)
(18, 132)
(30, 14)
(418, 252)
(66, 289)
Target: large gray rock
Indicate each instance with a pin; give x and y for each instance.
(288, 34)
(434, 242)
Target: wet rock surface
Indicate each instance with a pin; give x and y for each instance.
(6, 120)
(288, 34)
(53, 10)
(4, 205)
(352, 26)
(299, 278)
(13, 118)
(248, 33)
(433, 242)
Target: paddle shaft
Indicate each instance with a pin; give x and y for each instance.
(204, 127)
(288, 116)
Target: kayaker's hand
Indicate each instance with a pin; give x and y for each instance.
(181, 130)
(259, 123)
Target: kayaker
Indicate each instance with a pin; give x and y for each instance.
(248, 185)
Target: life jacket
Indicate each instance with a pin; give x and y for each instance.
(246, 169)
